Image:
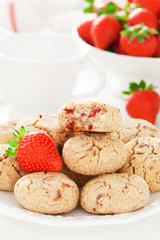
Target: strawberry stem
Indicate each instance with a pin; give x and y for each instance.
(12, 150)
(139, 31)
(133, 86)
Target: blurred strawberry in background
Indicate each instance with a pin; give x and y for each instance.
(143, 101)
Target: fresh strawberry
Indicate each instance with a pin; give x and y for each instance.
(35, 152)
(152, 5)
(139, 41)
(84, 31)
(124, 13)
(143, 102)
(117, 48)
(142, 15)
(158, 47)
(105, 31)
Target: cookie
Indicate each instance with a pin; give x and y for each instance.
(114, 194)
(10, 171)
(79, 179)
(94, 154)
(144, 160)
(133, 128)
(89, 116)
(6, 130)
(49, 193)
(48, 124)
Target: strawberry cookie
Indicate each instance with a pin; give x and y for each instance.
(114, 194)
(47, 124)
(144, 160)
(10, 171)
(89, 116)
(94, 154)
(6, 131)
(134, 128)
(49, 193)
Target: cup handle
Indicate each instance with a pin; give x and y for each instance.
(101, 85)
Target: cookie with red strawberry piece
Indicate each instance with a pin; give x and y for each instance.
(48, 193)
(10, 170)
(35, 152)
(143, 101)
(144, 16)
(89, 116)
(105, 31)
(6, 131)
(139, 41)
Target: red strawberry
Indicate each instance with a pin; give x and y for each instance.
(139, 41)
(84, 31)
(117, 48)
(105, 31)
(152, 5)
(158, 47)
(143, 102)
(142, 15)
(35, 152)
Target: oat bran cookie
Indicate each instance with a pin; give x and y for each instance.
(134, 128)
(144, 160)
(114, 194)
(48, 124)
(49, 193)
(89, 116)
(6, 130)
(94, 154)
(10, 171)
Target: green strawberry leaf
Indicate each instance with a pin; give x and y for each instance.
(11, 152)
(17, 137)
(142, 84)
(88, 10)
(16, 131)
(126, 92)
(111, 8)
(140, 39)
(90, 1)
(153, 31)
(13, 143)
(101, 12)
(22, 132)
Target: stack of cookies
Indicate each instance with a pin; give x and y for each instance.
(116, 162)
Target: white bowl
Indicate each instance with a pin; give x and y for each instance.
(122, 69)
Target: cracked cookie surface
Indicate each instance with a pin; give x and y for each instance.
(134, 128)
(48, 124)
(94, 154)
(89, 116)
(114, 194)
(10, 171)
(49, 193)
(144, 160)
(6, 130)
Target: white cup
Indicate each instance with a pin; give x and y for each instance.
(38, 71)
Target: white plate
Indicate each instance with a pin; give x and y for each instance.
(10, 208)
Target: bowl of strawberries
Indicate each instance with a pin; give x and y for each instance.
(124, 42)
